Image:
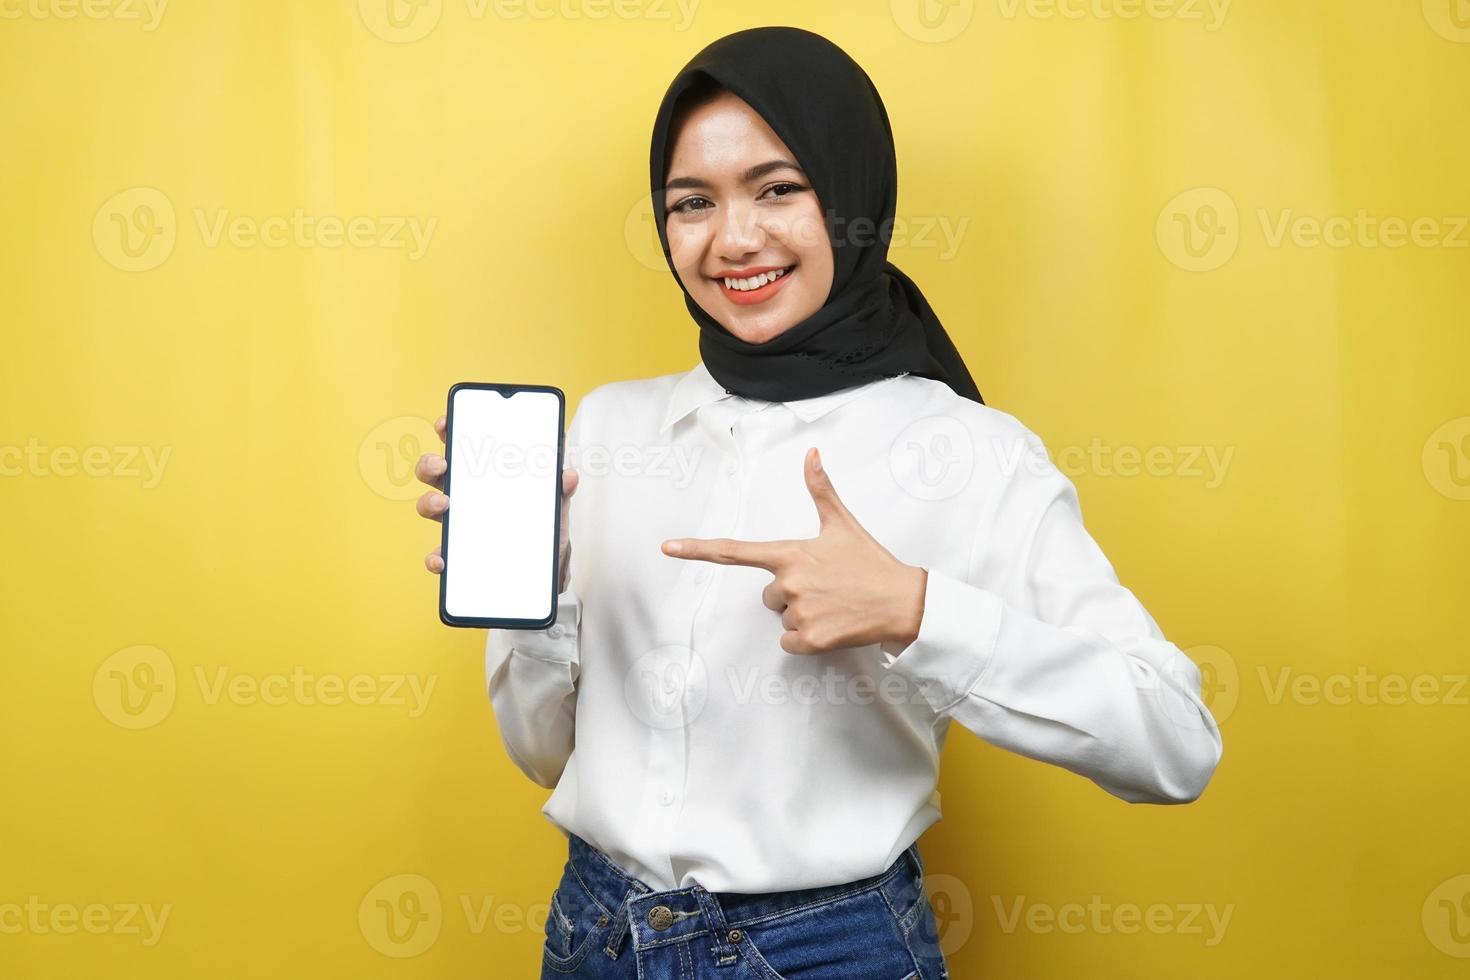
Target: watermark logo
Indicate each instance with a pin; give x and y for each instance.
(667, 687)
(401, 916)
(37, 460)
(143, 920)
(954, 910)
(1446, 458)
(407, 233)
(148, 13)
(1199, 230)
(677, 465)
(135, 230)
(933, 458)
(404, 915)
(406, 21)
(1219, 680)
(925, 233)
(139, 686)
(640, 233)
(410, 692)
(680, 13)
(932, 21)
(481, 912)
(1446, 917)
(135, 687)
(1362, 229)
(387, 456)
(1209, 464)
(476, 455)
(1450, 19)
(401, 21)
(1215, 672)
(1364, 686)
(1206, 920)
(829, 685)
(1210, 13)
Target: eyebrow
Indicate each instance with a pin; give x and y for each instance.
(754, 173)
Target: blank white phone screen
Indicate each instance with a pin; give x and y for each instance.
(502, 487)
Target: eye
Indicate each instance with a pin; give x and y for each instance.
(785, 189)
(691, 204)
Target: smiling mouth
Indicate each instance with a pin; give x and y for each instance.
(755, 289)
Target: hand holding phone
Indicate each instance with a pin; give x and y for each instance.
(505, 546)
(434, 503)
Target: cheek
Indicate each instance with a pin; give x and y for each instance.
(801, 233)
(805, 236)
(686, 247)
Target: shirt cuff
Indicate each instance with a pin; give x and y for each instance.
(955, 644)
(558, 642)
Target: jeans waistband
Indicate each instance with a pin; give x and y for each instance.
(630, 903)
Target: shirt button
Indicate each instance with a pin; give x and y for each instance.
(730, 469)
(665, 797)
(555, 631)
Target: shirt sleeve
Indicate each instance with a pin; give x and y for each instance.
(1057, 661)
(532, 674)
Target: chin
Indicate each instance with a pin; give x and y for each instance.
(753, 328)
(760, 332)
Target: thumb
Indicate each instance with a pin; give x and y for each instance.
(570, 480)
(829, 506)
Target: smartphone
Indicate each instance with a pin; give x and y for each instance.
(503, 445)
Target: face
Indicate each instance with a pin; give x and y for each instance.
(745, 228)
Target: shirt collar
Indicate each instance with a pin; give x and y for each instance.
(698, 388)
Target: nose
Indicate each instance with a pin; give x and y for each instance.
(739, 233)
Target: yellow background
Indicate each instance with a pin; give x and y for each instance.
(289, 385)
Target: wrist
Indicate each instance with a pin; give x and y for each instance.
(909, 613)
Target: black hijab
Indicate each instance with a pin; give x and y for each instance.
(875, 323)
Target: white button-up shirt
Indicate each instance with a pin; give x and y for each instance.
(688, 745)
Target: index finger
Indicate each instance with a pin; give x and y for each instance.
(440, 424)
(769, 555)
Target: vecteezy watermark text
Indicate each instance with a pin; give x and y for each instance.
(149, 13)
(406, 21)
(137, 229)
(36, 459)
(38, 918)
(1100, 917)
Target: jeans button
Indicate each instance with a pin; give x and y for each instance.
(660, 917)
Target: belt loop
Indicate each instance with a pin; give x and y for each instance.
(621, 919)
(724, 953)
(918, 861)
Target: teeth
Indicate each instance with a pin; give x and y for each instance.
(754, 282)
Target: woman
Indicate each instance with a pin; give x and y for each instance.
(759, 652)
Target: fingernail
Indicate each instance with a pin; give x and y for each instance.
(673, 547)
(818, 457)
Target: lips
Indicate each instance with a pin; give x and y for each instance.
(740, 285)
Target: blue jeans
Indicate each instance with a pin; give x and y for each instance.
(605, 924)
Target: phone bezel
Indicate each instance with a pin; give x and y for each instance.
(507, 389)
